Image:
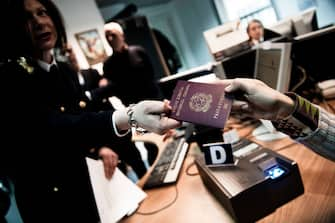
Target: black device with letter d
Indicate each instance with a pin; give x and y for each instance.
(261, 181)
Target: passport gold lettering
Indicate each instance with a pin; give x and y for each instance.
(218, 108)
(181, 98)
(186, 90)
(180, 106)
(177, 101)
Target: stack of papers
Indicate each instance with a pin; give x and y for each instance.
(115, 198)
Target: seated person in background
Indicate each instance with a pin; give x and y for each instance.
(258, 34)
(300, 119)
(128, 69)
(89, 80)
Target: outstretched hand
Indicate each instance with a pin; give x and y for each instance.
(258, 100)
(153, 116)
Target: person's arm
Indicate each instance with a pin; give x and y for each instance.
(290, 113)
(100, 93)
(26, 108)
(310, 125)
(150, 115)
(302, 121)
(321, 139)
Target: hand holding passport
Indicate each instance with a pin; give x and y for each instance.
(201, 103)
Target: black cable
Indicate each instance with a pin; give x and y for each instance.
(162, 208)
(188, 169)
(303, 79)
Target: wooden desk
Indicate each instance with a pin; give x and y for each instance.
(196, 204)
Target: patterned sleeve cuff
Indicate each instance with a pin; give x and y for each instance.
(302, 121)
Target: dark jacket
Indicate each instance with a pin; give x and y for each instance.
(131, 76)
(91, 77)
(124, 147)
(48, 133)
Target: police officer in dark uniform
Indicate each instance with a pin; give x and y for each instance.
(89, 81)
(44, 112)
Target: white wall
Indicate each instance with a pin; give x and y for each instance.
(79, 16)
(196, 16)
(184, 22)
(164, 18)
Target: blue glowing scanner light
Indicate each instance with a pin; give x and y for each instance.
(275, 172)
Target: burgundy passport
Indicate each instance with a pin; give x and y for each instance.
(201, 103)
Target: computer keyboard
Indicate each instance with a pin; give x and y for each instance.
(168, 166)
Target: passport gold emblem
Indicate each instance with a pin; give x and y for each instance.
(200, 102)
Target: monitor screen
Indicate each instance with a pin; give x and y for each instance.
(241, 65)
(284, 27)
(273, 65)
(309, 51)
(226, 40)
(299, 24)
(305, 22)
(167, 84)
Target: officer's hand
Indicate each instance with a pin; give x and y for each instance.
(152, 116)
(110, 160)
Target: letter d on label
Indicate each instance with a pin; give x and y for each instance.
(218, 154)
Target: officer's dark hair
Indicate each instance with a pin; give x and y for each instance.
(17, 31)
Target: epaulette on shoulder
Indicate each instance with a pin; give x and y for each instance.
(19, 64)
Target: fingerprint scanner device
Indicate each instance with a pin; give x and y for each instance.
(261, 181)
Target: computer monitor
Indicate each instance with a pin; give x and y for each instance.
(299, 24)
(305, 22)
(167, 84)
(273, 67)
(284, 27)
(226, 40)
(311, 52)
(241, 65)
